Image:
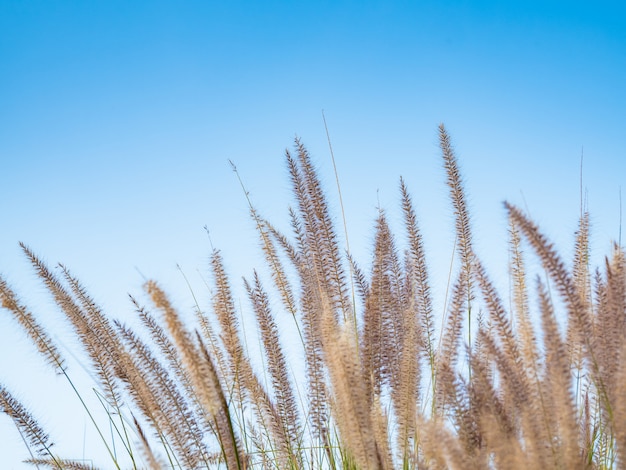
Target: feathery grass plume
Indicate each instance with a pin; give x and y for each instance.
(466, 418)
(34, 436)
(560, 406)
(286, 405)
(580, 269)
(277, 269)
(505, 450)
(304, 222)
(352, 408)
(611, 320)
(234, 455)
(380, 432)
(98, 322)
(91, 338)
(512, 406)
(103, 359)
(105, 349)
(298, 255)
(271, 256)
(381, 332)
(514, 382)
(279, 276)
(390, 333)
(106, 337)
(461, 212)
(166, 347)
(494, 431)
(535, 417)
(242, 373)
(210, 337)
(442, 448)
(318, 413)
(610, 332)
(318, 396)
(457, 195)
(144, 400)
(499, 317)
(263, 452)
(606, 352)
(331, 262)
(360, 280)
(579, 312)
(205, 380)
(174, 360)
(448, 352)
(157, 395)
(33, 329)
(406, 394)
(224, 308)
(66, 464)
(236, 374)
(486, 398)
(556, 269)
(153, 461)
(418, 325)
(320, 239)
(582, 280)
(417, 277)
(523, 327)
(588, 431)
(619, 409)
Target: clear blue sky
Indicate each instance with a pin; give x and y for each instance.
(117, 120)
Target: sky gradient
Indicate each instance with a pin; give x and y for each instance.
(118, 119)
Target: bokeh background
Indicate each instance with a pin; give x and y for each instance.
(117, 121)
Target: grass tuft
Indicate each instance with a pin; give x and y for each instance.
(536, 382)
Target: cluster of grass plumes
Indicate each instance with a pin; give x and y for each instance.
(539, 385)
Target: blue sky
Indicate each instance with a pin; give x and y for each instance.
(117, 121)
